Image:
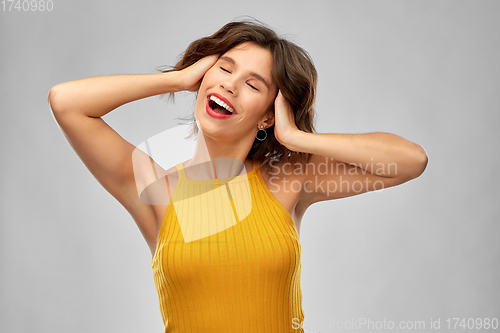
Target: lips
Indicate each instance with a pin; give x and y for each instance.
(224, 99)
(214, 114)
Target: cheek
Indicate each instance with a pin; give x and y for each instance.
(257, 106)
(206, 82)
(266, 104)
(209, 77)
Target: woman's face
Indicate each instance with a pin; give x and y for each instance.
(242, 80)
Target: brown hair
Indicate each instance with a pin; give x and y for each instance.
(293, 73)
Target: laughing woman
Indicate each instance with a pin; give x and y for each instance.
(224, 229)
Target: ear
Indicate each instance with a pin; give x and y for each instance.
(269, 119)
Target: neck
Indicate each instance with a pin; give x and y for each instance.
(218, 158)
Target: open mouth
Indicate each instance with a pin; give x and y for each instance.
(219, 107)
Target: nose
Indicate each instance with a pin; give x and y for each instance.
(229, 85)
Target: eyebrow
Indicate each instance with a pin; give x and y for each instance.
(255, 75)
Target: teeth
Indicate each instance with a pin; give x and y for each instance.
(221, 103)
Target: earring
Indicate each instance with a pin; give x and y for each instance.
(261, 129)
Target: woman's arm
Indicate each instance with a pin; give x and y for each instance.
(343, 165)
(78, 106)
(97, 96)
(382, 154)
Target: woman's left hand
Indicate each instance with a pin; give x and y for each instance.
(284, 123)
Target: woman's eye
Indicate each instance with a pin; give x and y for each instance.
(253, 87)
(225, 70)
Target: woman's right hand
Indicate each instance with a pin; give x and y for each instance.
(190, 77)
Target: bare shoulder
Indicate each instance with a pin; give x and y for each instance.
(154, 187)
(158, 190)
(286, 182)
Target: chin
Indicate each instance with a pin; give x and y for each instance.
(208, 127)
(213, 131)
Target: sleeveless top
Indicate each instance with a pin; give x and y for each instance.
(227, 258)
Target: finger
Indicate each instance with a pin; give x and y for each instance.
(210, 60)
(206, 63)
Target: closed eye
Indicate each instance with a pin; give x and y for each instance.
(225, 70)
(253, 87)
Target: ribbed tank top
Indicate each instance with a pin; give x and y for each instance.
(243, 277)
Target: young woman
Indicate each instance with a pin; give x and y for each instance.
(225, 236)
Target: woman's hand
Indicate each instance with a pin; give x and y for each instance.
(190, 77)
(284, 123)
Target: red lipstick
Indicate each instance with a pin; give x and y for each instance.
(214, 114)
(224, 99)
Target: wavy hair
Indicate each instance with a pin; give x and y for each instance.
(293, 73)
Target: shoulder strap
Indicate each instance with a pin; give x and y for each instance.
(168, 187)
(256, 165)
(180, 171)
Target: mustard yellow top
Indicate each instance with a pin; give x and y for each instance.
(227, 258)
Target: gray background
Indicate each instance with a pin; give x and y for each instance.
(72, 258)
